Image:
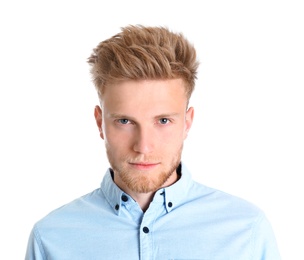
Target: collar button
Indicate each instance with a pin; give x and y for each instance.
(124, 198)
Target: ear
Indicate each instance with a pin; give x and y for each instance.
(98, 119)
(189, 120)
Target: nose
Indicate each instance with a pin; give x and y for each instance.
(144, 140)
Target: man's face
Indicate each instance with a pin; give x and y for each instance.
(144, 124)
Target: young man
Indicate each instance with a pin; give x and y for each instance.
(148, 207)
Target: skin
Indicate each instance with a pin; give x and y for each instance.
(144, 124)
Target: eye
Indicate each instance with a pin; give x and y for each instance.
(123, 121)
(164, 121)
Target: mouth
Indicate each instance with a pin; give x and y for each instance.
(144, 165)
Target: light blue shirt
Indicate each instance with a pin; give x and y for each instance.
(184, 221)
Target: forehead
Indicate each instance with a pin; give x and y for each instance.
(145, 94)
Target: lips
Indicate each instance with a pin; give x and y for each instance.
(144, 165)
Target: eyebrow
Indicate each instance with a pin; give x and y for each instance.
(165, 115)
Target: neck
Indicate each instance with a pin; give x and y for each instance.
(143, 199)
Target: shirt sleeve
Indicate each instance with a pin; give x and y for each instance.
(264, 242)
(34, 248)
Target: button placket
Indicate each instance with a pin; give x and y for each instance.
(146, 232)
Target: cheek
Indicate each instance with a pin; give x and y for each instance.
(171, 139)
(113, 148)
(116, 140)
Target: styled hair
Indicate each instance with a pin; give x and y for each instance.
(141, 53)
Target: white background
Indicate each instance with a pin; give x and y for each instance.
(247, 137)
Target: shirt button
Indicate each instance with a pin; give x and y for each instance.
(170, 204)
(124, 198)
(146, 230)
(117, 207)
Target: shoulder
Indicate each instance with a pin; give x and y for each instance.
(218, 206)
(80, 208)
(213, 202)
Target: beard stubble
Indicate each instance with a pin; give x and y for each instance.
(141, 181)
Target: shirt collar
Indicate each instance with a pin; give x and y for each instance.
(171, 196)
(177, 192)
(112, 193)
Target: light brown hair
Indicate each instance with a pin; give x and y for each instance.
(139, 53)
